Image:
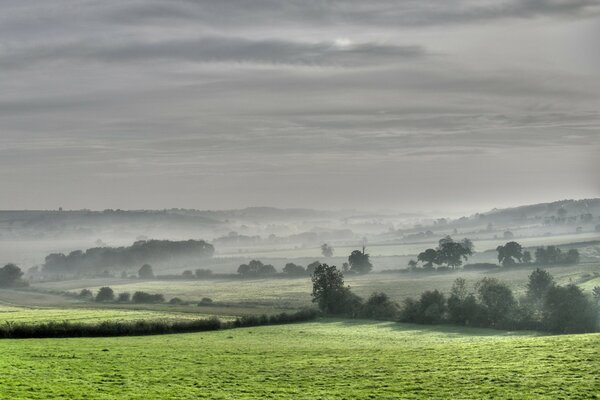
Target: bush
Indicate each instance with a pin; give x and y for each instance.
(105, 294)
(206, 301)
(480, 267)
(86, 294)
(176, 301)
(124, 297)
(143, 297)
(145, 272)
(10, 275)
(429, 309)
(379, 306)
(203, 273)
(567, 310)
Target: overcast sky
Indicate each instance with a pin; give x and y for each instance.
(411, 105)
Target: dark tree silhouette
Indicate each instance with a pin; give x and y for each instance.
(10, 275)
(326, 250)
(145, 272)
(510, 253)
(359, 262)
(105, 294)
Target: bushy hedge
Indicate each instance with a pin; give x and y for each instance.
(138, 328)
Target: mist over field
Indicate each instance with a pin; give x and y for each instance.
(299, 199)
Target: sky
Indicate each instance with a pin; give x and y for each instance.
(408, 105)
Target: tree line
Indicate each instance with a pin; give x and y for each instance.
(546, 305)
(450, 254)
(98, 259)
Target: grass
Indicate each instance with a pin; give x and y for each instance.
(329, 359)
(292, 293)
(28, 315)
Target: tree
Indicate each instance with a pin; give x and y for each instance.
(202, 273)
(326, 250)
(10, 275)
(105, 294)
(572, 257)
(256, 268)
(452, 253)
(359, 262)
(540, 281)
(310, 268)
(433, 306)
(497, 299)
(567, 310)
(526, 256)
(329, 291)
(428, 258)
(86, 294)
(510, 253)
(293, 269)
(143, 297)
(412, 264)
(146, 272)
(596, 294)
(123, 297)
(462, 305)
(379, 306)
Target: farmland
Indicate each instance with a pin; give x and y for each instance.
(325, 359)
(29, 315)
(290, 293)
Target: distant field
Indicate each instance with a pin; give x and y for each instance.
(386, 250)
(37, 315)
(327, 359)
(288, 293)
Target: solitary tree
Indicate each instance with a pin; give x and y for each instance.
(10, 274)
(452, 253)
(146, 272)
(326, 250)
(105, 294)
(359, 262)
(510, 253)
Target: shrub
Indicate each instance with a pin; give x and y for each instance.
(205, 301)
(379, 306)
(124, 297)
(86, 294)
(143, 297)
(176, 301)
(145, 272)
(203, 273)
(496, 299)
(567, 310)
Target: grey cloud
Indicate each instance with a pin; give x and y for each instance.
(218, 49)
(354, 12)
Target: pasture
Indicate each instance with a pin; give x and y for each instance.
(29, 315)
(292, 293)
(326, 359)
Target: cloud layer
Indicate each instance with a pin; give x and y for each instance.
(217, 104)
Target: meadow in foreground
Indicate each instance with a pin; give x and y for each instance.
(326, 359)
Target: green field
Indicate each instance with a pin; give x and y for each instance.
(28, 315)
(326, 359)
(289, 293)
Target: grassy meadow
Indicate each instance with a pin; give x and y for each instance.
(326, 359)
(30, 315)
(292, 293)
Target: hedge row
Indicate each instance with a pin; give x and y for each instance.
(139, 328)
